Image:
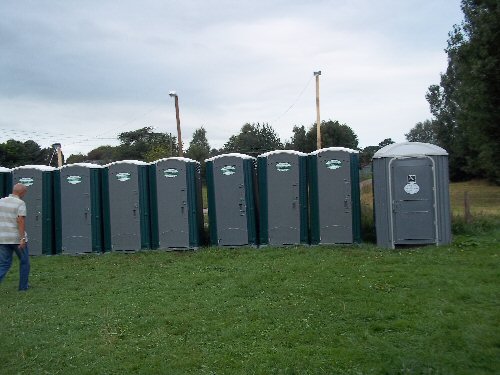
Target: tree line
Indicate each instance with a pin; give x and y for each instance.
(147, 145)
(252, 139)
(16, 153)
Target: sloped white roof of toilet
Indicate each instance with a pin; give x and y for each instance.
(409, 149)
(43, 168)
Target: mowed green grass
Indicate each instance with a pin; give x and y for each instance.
(304, 310)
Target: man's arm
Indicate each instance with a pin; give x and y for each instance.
(21, 226)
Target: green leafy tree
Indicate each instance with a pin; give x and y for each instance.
(333, 134)
(157, 152)
(103, 154)
(366, 155)
(12, 153)
(15, 153)
(385, 142)
(199, 148)
(299, 141)
(76, 158)
(465, 103)
(423, 132)
(139, 144)
(254, 139)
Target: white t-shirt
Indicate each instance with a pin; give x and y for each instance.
(10, 208)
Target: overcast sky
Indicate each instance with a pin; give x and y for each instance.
(80, 72)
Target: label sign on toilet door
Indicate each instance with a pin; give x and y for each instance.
(411, 187)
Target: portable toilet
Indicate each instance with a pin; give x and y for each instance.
(5, 182)
(411, 195)
(40, 226)
(283, 216)
(127, 201)
(176, 203)
(79, 212)
(231, 200)
(335, 211)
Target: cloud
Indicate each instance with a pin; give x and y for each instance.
(73, 68)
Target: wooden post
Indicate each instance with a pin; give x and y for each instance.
(57, 148)
(318, 121)
(179, 138)
(59, 157)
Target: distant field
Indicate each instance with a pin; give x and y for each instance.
(484, 198)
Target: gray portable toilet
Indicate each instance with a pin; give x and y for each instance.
(176, 205)
(79, 212)
(335, 210)
(283, 216)
(129, 205)
(231, 200)
(411, 195)
(5, 182)
(40, 226)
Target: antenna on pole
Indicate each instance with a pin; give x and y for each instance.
(318, 121)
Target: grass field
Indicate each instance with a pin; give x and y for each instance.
(345, 310)
(300, 310)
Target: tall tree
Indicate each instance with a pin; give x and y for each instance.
(144, 144)
(333, 134)
(367, 153)
(15, 153)
(254, 139)
(425, 132)
(141, 144)
(199, 148)
(76, 158)
(298, 142)
(103, 154)
(465, 103)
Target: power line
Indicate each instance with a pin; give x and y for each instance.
(50, 136)
(294, 102)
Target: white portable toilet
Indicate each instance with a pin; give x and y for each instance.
(411, 195)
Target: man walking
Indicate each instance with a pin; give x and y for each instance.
(13, 235)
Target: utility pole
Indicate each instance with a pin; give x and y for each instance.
(57, 147)
(174, 95)
(318, 122)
